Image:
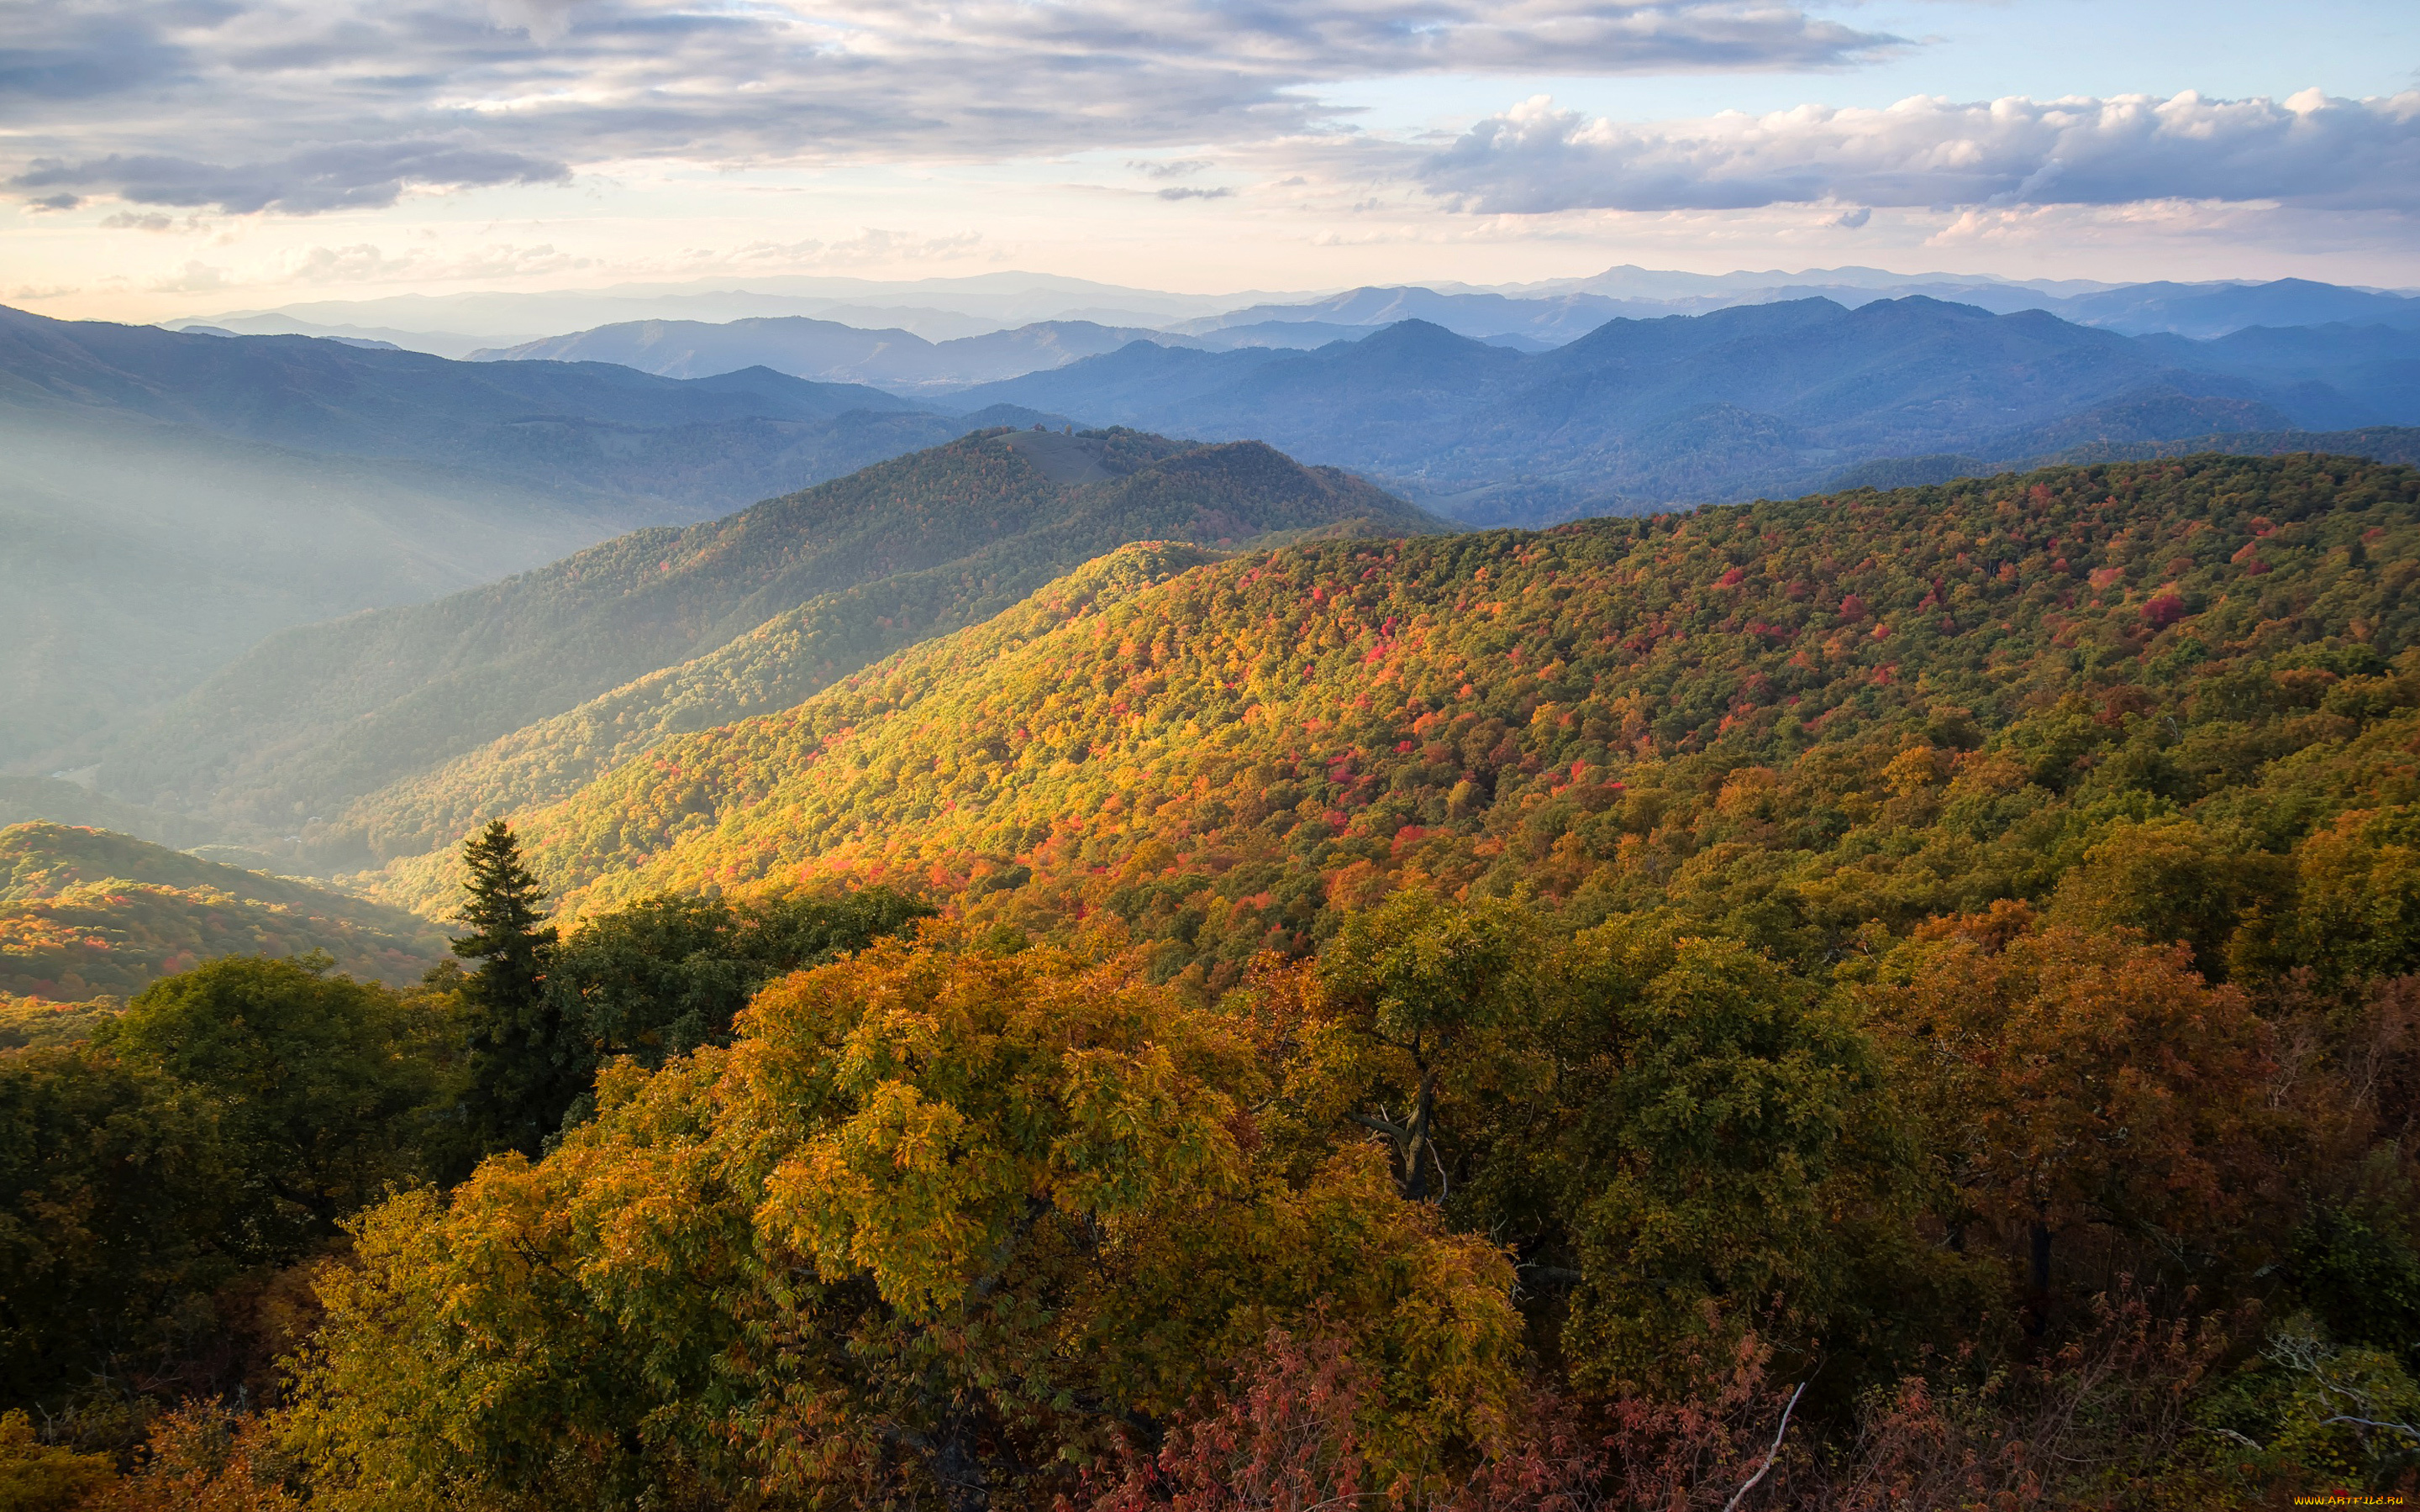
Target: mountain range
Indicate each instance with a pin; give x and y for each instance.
(1758, 399)
(943, 309)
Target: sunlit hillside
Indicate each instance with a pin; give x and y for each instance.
(1799, 722)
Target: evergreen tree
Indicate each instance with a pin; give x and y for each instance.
(513, 1034)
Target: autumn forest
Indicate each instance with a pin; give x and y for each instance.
(1208, 990)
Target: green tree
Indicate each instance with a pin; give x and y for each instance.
(322, 1085)
(517, 1061)
(1418, 994)
(115, 1192)
(666, 975)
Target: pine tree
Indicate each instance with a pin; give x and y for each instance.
(513, 1054)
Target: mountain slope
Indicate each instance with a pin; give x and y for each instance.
(2208, 310)
(1707, 712)
(166, 500)
(138, 558)
(1766, 398)
(319, 717)
(85, 913)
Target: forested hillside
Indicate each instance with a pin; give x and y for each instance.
(782, 596)
(1884, 1001)
(87, 914)
(1791, 722)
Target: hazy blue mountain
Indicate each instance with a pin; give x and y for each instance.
(1552, 320)
(2206, 310)
(827, 349)
(1293, 335)
(2374, 368)
(1754, 399)
(331, 397)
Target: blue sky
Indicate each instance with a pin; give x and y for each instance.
(172, 157)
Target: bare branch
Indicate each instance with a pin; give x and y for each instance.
(1772, 1454)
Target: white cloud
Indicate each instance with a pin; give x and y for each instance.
(194, 278)
(316, 106)
(2308, 151)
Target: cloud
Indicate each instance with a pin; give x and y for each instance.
(2309, 150)
(194, 278)
(108, 97)
(1177, 169)
(346, 175)
(1221, 192)
(1855, 220)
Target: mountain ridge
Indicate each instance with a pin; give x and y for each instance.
(1225, 752)
(848, 571)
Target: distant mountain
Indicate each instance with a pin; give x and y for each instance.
(826, 350)
(1551, 320)
(937, 309)
(331, 396)
(168, 498)
(665, 630)
(87, 914)
(2206, 310)
(1758, 399)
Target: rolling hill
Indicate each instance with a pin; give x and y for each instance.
(85, 914)
(1790, 720)
(1758, 399)
(664, 630)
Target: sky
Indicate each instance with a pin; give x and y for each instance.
(169, 158)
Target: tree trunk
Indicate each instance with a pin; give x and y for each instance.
(1416, 1140)
(2037, 1301)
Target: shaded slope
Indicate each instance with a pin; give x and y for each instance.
(167, 499)
(137, 558)
(1221, 757)
(1219, 496)
(85, 913)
